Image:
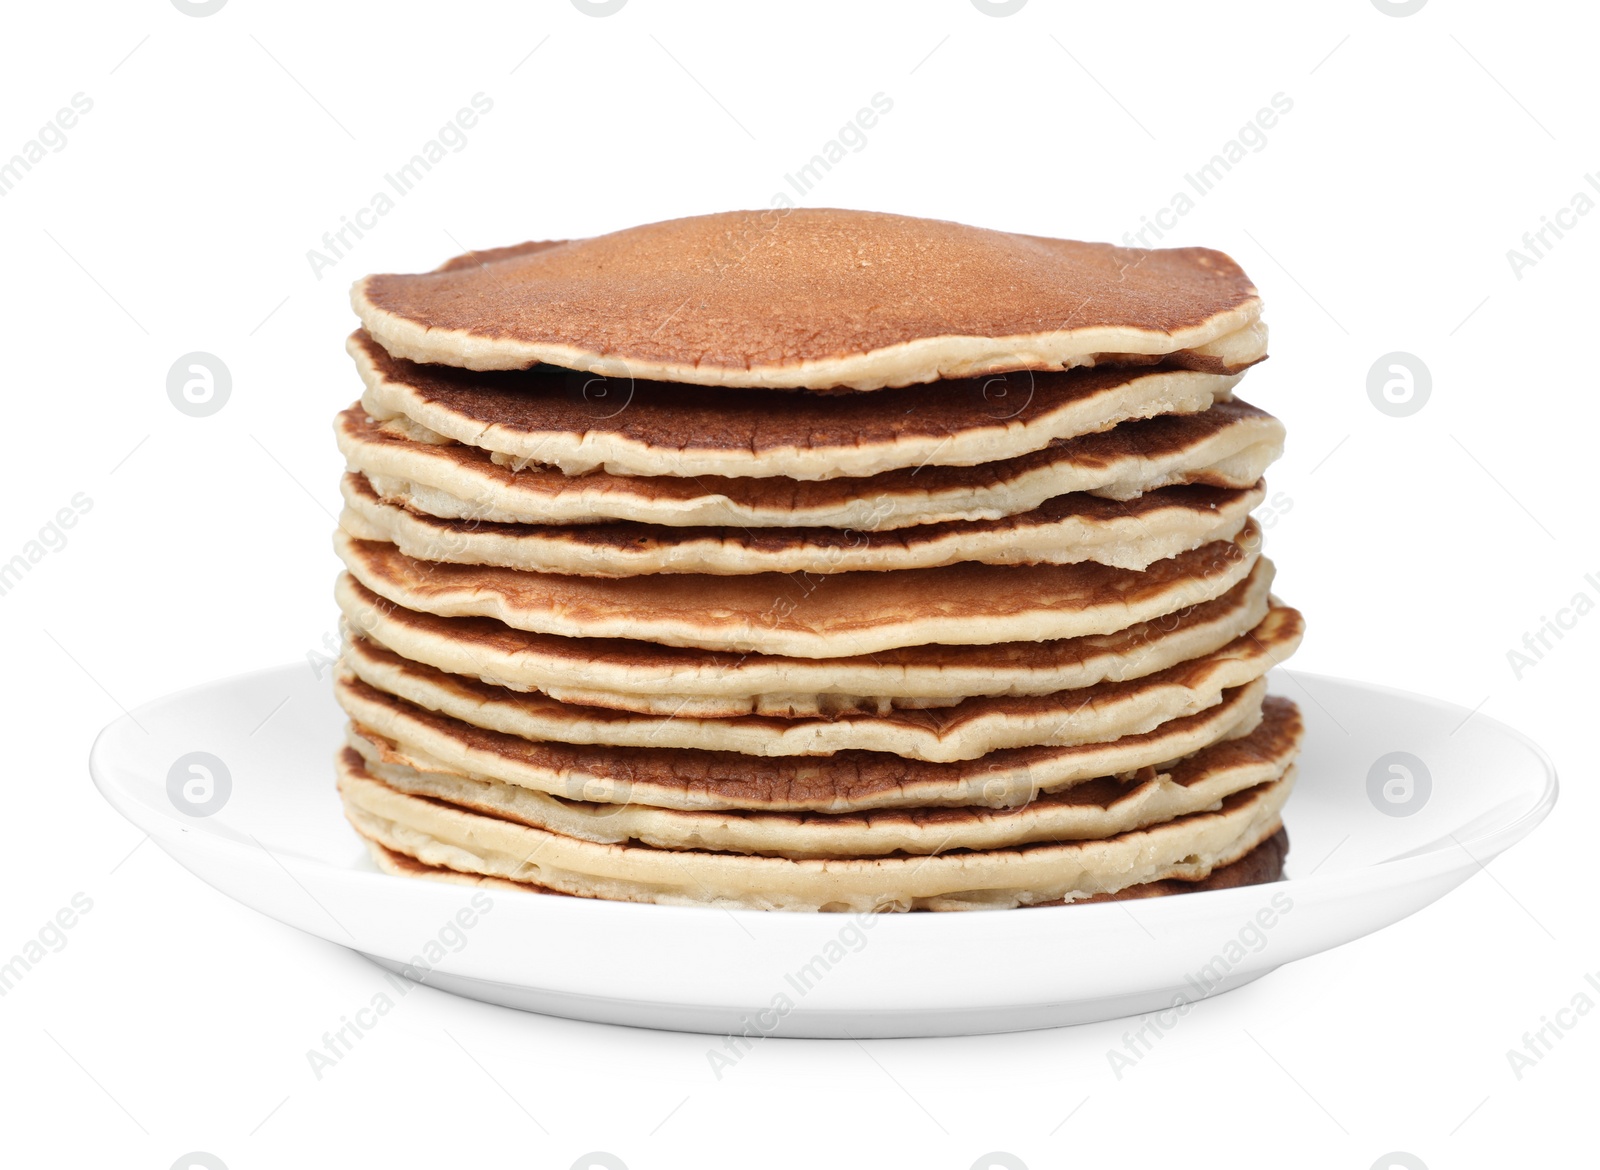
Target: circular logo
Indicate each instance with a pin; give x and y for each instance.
(599, 8)
(199, 1160)
(1398, 784)
(1000, 1159)
(199, 8)
(999, 8)
(608, 796)
(1399, 384)
(600, 397)
(1399, 1159)
(1006, 395)
(198, 784)
(599, 1158)
(199, 384)
(1008, 788)
(1399, 8)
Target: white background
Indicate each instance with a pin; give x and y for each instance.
(1377, 218)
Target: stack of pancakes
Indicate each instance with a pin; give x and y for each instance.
(835, 561)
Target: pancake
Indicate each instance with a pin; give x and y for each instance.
(810, 615)
(965, 731)
(1102, 807)
(642, 676)
(1066, 530)
(813, 560)
(695, 778)
(1260, 866)
(578, 423)
(1229, 445)
(438, 834)
(816, 298)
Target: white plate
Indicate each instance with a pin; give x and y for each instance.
(279, 843)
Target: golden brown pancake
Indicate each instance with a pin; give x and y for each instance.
(1260, 866)
(1185, 848)
(630, 675)
(694, 778)
(1228, 446)
(963, 731)
(1096, 808)
(1127, 534)
(628, 426)
(811, 615)
(817, 298)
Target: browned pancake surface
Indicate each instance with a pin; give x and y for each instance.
(1262, 865)
(1272, 641)
(627, 535)
(547, 400)
(740, 290)
(1153, 438)
(810, 606)
(728, 779)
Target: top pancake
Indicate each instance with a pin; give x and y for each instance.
(819, 299)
